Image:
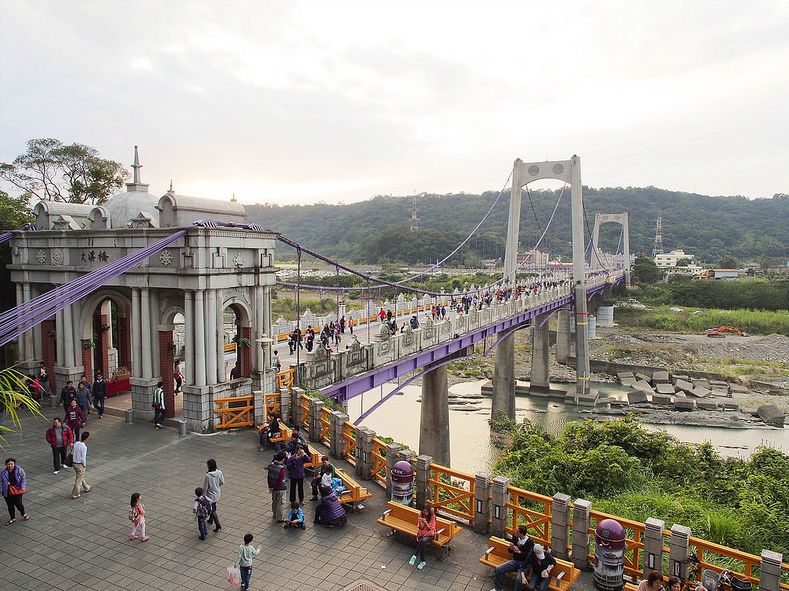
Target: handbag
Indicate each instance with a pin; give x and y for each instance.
(69, 460)
(16, 490)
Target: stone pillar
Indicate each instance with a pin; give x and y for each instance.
(246, 352)
(503, 403)
(423, 488)
(482, 493)
(316, 408)
(166, 367)
(653, 545)
(338, 438)
(580, 553)
(124, 343)
(136, 368)
(540, 347)
(499, 512)
(145, 332)
(392, 457)
(364, 450)
(434, 424)
(770, 571)
(68, 338)
(155, 314)
(20, 343)
(87, 360)
(562, 336)
(262, 354)
(560, 519)
(105, 342)
(189, 360)
(27, 338)
(219, 330)
(284, 406)
(210, 337)
(58, 339)
(199, 339)
(48, 352)
(679, 551)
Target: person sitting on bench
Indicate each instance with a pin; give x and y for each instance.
(541, 563)
(520, 548)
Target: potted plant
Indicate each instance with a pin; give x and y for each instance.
(244, 342)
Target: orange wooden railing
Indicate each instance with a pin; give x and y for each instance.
(452, 492)
(325, 426)
(240, 414)
(379, 461)
(349, 442)
(533, 511)
(286, 378)
(272, 402)
(305, 412)
(745, 563)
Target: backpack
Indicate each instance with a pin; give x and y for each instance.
(133, 515)
(203, 508)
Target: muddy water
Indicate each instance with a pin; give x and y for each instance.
(469, 411)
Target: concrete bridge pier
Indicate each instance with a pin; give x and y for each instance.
(563, 336)
(540, 347)
(434, 424)
(503, 403)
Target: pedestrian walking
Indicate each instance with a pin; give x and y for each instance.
(277, 485)
(74, 418)
(14, 486)
(212, 486)
(137, 518)
(67, 394)
(83, 397)
(295, 465)
(244, 557)
(99, 393)
(178, 377)
(80, 455)
(342, 324)
(202, 511)
(276, 365)
(60, 437)
(158, 405)
(351, 323)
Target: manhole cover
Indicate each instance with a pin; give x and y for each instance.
(362, 585)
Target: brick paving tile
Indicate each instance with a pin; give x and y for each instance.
(83, 543)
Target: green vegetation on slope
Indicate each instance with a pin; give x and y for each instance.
(757, 294)
(635, 473)
(696, 321)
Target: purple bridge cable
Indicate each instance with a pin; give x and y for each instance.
(19, 320)
(6, 236)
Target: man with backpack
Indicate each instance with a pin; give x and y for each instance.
(202, 510)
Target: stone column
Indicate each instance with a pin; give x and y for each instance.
(482, 492)
(20, 343)
(364, 449)
(562, 336)
(580, 553)
(210, 337)
(770, 571)
(560, 518)
(59, 341)
(540, 347)
(136, 369)
(189, 318)
(199, 340)
(68, 338)
(166, 366)
(679, 551)
(105, 343)
(653, 545)
(499, 500)
(219, 329)
(28, 336)
(145, 325)
(284, 407)
(434, 424)
(298, 412)
(392, 457)
(337, 433)
(262, 354)
(423, 490)
(316, 408)
(503, 403)
(155, 314)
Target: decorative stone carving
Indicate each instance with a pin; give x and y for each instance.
(41, 256)
(166, 258)
(354, 345)
(57, 257)
(238, 259)
(384, 334)
(321, 353)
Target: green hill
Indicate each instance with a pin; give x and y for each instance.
(376, 230)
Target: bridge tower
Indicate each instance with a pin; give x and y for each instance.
(617, 218)
(524, 173)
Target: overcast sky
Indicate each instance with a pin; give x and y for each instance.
(296, 102)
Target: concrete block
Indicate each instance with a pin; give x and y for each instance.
(680, 394)
(706, 404)
(719, 383)
(643, 376)
(719, 391)
(683, 385)
(664, 388)
(700, 392)
(731, 406)
(624, 374)
(676, 377)
(684, 404)
(637, 397)
(703, 382)
(660, 377)
(627, 381)
(588, 399)
(771, 414)
(661, 399)
(739, 388)
(643, 385)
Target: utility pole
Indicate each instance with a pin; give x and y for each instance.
(658, 247)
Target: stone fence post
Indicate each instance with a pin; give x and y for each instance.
(679, 551)
(482, 494)
(770, 571)
(364, 450)
(297, 412)
(423, 479)
(560, 508)
(392, 457)
(337, 433)
(316, 409)
(581, 510)
(284, 408)
(653, 545)
(500, 496)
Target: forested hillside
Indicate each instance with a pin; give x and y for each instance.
(376, 230)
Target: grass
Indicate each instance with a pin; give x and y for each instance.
(473, 368)
(734, 367)
(694, 320)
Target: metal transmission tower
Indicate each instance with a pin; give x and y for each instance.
(658, 247)
(414, 222)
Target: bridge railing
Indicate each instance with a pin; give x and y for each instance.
(304, 404)
(286, 378)
(378, 461)
(452, 492)
(349, 442)
(532, 510)
(238, 411)
(325, 426)
(272, 402)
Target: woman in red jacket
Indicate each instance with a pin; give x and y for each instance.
(426, 532)
(59, 437)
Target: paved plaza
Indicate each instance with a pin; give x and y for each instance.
(83, 543)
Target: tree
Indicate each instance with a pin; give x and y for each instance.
(13, 396)
(14, 212)
(683, 262)
(646, 271)
(74, 173)
(727, 263)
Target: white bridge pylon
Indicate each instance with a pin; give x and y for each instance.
(616, 218)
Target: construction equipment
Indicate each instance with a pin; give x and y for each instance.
(717, 333)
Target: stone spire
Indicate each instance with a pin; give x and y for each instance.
(233, 198)
(170, 190)
(137, 185)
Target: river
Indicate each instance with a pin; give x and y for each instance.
(471, 446)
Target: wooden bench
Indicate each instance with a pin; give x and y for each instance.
(562, 575)
(401, 518)
(285, 433)
(354, 492)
